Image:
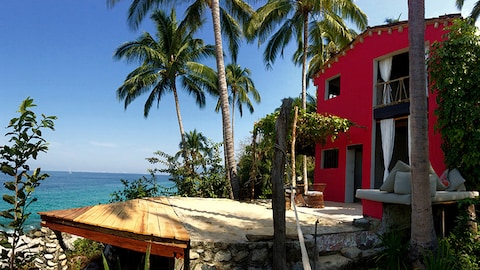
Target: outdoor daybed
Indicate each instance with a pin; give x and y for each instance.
(386, 202)
(396, 189)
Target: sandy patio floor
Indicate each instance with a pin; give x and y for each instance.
(230, 221)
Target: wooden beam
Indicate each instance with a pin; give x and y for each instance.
(164, 249)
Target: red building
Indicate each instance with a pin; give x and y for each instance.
(368, 83)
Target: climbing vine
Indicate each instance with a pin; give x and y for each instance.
(454, 69)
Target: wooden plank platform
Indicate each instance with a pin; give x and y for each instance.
(134, 224)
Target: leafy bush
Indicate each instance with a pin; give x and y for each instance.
(442, 259)
(454, 71)
(84, 251)
(201, 175)
(140, 188)
(395, 250)
(27, 142)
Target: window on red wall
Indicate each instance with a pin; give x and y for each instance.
(332, 88)
(330, 158)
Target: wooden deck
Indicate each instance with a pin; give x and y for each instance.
(134, 224)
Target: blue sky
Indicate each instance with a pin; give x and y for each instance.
(60, 53)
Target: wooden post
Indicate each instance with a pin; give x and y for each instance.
(292, 152)
(278, 183)
(472, 219)
(253, 172)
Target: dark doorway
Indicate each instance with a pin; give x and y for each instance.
(354, 172)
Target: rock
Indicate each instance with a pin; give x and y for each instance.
(51, 245)
(223, 256)
(332, 262)
(363, 223)
(370, 253)
(194, 255)
(239, 256)
(351, 252)
(205, 267)
(260, 255)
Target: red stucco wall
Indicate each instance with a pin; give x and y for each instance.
(357, 69)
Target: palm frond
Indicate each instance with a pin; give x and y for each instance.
(232, 31)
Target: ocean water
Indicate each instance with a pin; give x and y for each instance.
(64, 190)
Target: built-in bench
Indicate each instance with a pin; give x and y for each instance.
(396, 191)
(406, 199)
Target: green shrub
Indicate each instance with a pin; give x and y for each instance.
(140, 188)
(84, 251)
(26, 142)
(395, 249)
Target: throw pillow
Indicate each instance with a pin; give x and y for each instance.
(389, 183)
(434, 176)
(455, 179)
(403, 183)
(444, 179)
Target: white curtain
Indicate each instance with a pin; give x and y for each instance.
(385, 67)
(387, 126)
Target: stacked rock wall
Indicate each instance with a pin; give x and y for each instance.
(338, 250)
(43, 248)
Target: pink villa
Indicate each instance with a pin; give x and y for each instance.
(368, 83)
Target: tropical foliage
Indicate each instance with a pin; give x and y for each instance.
(280, 21)
(26, 140)
(241, 87)
(174, 54)
(256, 158)
(454, 68)
(202, 176)
(313, 128)
(140, 188)
(475, 11)
(227, 20)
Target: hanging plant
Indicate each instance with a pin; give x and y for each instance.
(314, 128)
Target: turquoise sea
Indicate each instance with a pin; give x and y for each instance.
(64, 190)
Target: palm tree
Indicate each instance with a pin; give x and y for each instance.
(220, 17)
(241, 86)
(196, 147)
(172, 55)
(325, 42)
(299, 18)
(475, 11)
(422, 229)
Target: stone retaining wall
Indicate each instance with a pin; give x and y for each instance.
(41, 246)
(335, 250)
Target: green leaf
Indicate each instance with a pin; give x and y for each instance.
(9, 185)
(9, 199)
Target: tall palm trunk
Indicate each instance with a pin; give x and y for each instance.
(222, 86)
(234, 96)
(179, 118)
(422, 229)
(304, 90)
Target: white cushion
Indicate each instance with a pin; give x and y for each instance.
(403, 183)
(455, 179)
(389, 183)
